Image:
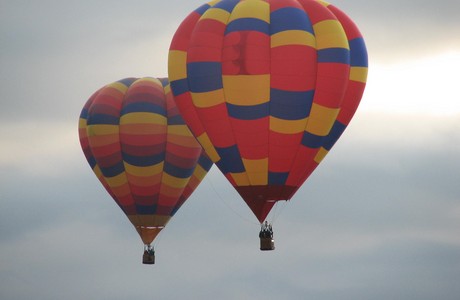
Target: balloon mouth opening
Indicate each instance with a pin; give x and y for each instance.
(148, 233)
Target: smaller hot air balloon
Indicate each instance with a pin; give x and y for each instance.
(140, 149)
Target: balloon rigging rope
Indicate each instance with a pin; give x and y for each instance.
(228, 205)
(157, 240)
(278, 210)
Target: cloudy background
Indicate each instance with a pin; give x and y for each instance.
(379, 219)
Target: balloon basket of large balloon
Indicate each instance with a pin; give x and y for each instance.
(267, 244)
(266, 237)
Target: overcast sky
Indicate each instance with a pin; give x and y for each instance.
(379, 218)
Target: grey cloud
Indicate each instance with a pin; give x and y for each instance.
(53, 51)
(401, 30)
(378, 219)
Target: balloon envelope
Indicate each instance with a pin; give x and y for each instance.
(267, 87)
(140, 149)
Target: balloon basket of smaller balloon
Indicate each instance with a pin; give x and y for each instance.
(148, 258)
(267, 243)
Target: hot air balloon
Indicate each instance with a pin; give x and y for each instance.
(267, 87)
(144, 155)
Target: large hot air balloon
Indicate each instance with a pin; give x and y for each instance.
(267, 87)
(138, 146)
